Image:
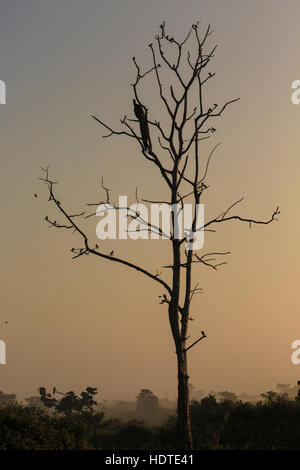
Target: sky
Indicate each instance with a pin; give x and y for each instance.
(87, 322)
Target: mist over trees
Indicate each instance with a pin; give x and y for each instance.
(65, 420)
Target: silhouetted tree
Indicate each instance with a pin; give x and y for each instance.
(298, 392)
(87, 399)
(70, 402)
(48, 400)
(171, 143)
(7, 397)
(147, 406)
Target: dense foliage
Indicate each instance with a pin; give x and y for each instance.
(272, 423)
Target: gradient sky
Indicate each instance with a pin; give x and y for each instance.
(86, 322)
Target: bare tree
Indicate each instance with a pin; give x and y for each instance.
(173, 148)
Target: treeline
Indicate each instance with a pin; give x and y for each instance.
(71, 422)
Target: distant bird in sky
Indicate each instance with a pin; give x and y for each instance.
(35, 195)
(141, 115)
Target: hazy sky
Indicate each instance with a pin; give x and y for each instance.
(78, 323)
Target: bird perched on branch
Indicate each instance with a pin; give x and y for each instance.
(141, 115)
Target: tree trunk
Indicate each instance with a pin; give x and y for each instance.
(184, 431)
